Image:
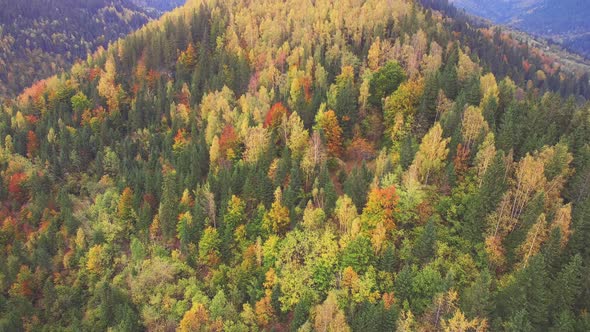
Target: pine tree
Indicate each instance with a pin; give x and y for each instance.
(388, 261)
(519, 321)
(565, 322)
(185, 230)
(477, 299)
(532, 294)
(301, 312)
(168, 211)
(329, 192)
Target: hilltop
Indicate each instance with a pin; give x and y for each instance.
(294, 165)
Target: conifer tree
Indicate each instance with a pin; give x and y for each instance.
(425, 246)
(168, 211)
(343, 98)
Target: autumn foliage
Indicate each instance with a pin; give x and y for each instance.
(275, 115)
(381, 207)
(332, 131)
(32, 144)
(228, 142)
(16, 187)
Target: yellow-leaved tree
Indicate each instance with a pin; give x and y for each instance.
(277, 220)
(329, 317)
(430, 157)
(107, 85)
(400, 107)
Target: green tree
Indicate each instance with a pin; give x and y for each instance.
(168, 212)
(343, 98)
(486, 200)
(429, 100)
(384, 82)
(358, 254)
(425, 285)
(566, 287)
(526, 295)
(80, 102)
(357, 185)
(425, 246)
(185, 230)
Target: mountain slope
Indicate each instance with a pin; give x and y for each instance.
(564, 21)
(39, 38)
(286, 165)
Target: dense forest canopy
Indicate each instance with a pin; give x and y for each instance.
(240, 165)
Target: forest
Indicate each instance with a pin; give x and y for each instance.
(354, 165)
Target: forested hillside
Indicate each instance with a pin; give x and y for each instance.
(39, 38)
(275, 165)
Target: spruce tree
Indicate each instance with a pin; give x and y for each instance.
(428, 100)
(425, 246)
(565, 288)
(486, 199)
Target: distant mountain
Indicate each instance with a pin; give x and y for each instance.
(500, 11)
(563, 21)
(159, 6)
(39, 38)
